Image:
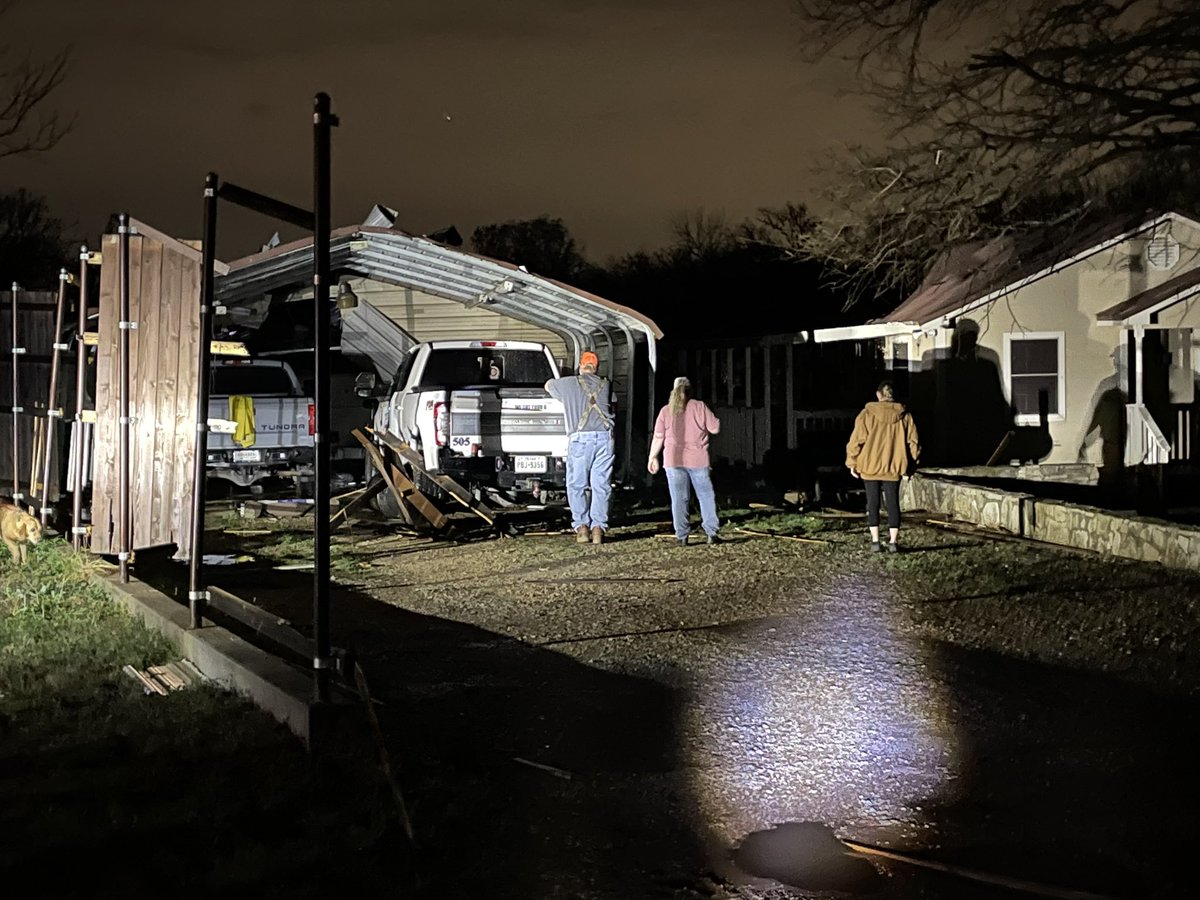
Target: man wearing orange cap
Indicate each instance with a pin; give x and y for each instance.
(589, 421)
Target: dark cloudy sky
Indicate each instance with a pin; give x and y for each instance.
(612, 114)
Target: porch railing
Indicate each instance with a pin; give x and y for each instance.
(1145, 443)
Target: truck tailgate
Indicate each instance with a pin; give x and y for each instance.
(278, 422)
(509, 420)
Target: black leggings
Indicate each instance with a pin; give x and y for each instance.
(891, 492)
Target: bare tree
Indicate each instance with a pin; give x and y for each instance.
(1005, 114)
(543, 245)
(26, 126)
(700, 234)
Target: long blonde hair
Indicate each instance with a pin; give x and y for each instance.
(681, 392)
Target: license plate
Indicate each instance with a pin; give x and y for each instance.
(529, 464)
(247, 456)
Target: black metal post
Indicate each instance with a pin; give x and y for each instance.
(77, 527)
(53, 410)
(197, 594)
(323, 122)
(124, 326)
(17, 350)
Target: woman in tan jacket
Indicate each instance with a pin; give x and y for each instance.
(883, 449)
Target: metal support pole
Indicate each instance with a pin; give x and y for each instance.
(197, 594)
(123, 328)
(630, 406)
(53, 410)
(77, 527)
(17, 350)
(323, 123)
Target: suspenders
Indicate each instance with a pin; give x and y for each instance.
(593, 406)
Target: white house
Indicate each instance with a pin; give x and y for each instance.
(1084, 350)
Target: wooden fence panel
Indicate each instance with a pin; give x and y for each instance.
(164, 296)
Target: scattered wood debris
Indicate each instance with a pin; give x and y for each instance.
(161, 680)
(782, 537)
(553, 770)
(661, 579)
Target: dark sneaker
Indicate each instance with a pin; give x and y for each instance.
(597, 535)
(875, 548)
(892, 548)
(681, 541)
(713, 539)
(582, 534)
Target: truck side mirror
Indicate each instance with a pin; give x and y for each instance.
(364, 385)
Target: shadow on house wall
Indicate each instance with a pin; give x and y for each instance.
(958, 402)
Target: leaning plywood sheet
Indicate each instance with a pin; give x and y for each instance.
(164, 299)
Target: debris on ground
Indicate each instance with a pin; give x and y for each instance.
(161, 680)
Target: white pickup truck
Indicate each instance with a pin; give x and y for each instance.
(281, 442)
(478, 411)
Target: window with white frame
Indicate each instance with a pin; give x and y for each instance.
(1033, 364)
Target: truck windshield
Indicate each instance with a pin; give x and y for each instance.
(459, 367)
(250, 380)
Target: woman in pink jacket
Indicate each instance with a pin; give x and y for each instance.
(681, 434)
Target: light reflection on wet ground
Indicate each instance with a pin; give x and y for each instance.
(834, 715)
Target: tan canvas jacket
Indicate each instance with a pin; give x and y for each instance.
(884, 445)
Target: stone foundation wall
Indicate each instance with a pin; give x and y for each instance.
(1061, 473)
(1056, 522)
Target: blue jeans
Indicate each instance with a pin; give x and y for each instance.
(678, 479)
(589, 464)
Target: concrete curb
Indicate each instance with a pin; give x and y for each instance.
(275, 686)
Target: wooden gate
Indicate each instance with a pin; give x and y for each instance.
(164, 300)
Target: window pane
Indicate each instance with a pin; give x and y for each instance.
(1038, 356)
(1025, 390)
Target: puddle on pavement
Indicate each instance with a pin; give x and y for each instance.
(806, 855)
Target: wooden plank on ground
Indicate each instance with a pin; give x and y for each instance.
(445, 482)
(412, 495)
(431, 512)
(361, 498)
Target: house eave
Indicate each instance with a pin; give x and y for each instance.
(869, 331)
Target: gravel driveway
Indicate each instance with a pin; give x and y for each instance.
(614, 721)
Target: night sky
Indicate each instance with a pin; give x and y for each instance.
(614, 115)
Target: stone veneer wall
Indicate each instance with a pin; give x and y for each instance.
(1056, 522)
(1060, 473)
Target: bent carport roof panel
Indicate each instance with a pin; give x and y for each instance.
(391, 255)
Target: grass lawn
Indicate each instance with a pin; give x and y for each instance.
(105, 791)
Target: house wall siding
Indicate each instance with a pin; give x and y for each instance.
(1067, 302)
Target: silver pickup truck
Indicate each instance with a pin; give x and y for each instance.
(478, 412)
(280, 442)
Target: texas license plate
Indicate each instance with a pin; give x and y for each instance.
(529, 464)
(247, 456)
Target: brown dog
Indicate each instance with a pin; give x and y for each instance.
(18, 529)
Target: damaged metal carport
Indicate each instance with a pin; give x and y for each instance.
(387, 255)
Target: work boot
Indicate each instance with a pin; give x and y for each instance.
(714, 539)
(597, 535)
(582, 534)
